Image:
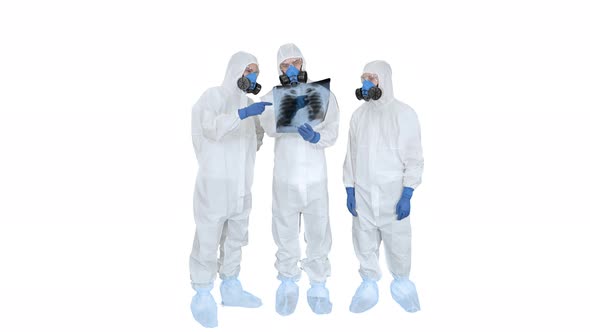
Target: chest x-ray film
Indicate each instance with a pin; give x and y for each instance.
(300, 104)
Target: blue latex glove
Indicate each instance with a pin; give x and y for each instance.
(351, 201)
(309, 134)
(402, 208)
(301, 102)
(254, 109)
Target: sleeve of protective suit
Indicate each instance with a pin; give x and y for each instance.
(259, 133)
(410, 147)
(213, 123)
(259, 130)
(329, 128)
(349, 164)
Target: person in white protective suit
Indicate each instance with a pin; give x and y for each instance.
(226, 135)
(300, 190)
(382, 168)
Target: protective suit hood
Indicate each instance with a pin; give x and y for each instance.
(383, 71)
(235, 69)
(288, 51)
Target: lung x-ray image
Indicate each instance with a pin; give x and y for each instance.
(300, 104)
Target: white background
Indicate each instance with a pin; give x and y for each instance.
(98, 169)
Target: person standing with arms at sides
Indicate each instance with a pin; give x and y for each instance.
(382, 168)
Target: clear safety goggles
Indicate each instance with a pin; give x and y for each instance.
(250, 69)
(370, 77)
(296, 62)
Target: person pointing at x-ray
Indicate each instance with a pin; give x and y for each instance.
(226, 135)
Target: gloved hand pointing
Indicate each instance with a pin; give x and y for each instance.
(254, 109)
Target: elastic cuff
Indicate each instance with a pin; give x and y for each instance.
(203, 289)
(317, 284)
(228, 278)
(400, 278)
(350, 191)
(283, 278)
(367, 279)
(365, 275)
(407, 193)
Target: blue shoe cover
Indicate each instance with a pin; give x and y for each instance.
(366, 296)
(287, 297)
(204, 308)
(318, 298)
(233, 295)
(404, 293)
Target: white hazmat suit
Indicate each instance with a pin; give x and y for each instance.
(384, 155)
(300, 189)
(225, 146)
